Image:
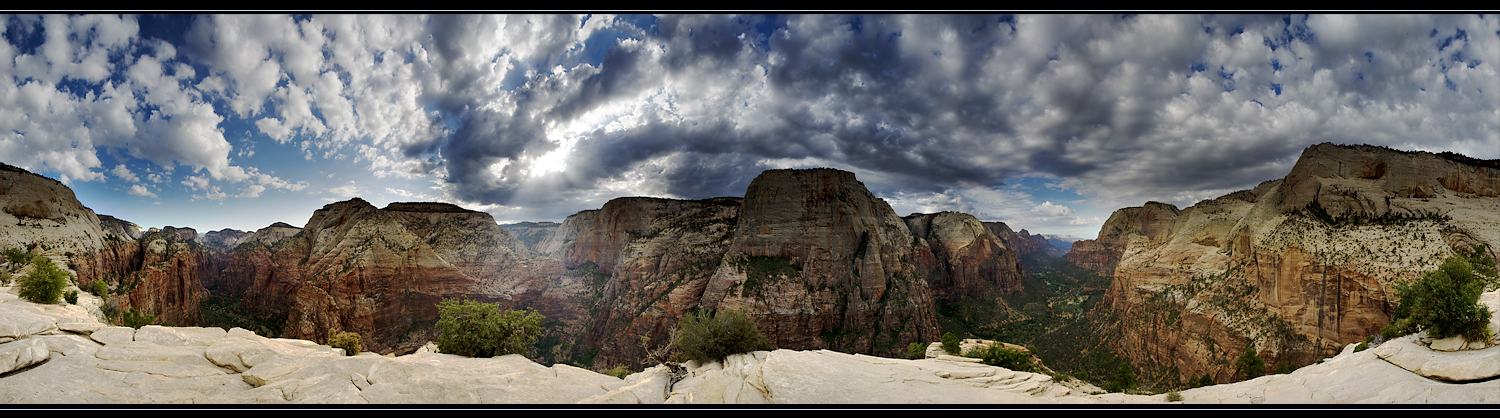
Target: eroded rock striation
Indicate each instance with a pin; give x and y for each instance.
(1295, 268)
(822, 263)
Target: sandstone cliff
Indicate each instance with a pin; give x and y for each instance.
(376, 272)
(644, 263)
(822, 263)
(531, 234)
(42, 213)
(121, 229)
(968, 258)
(1295, 268)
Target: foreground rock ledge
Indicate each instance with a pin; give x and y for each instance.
(42, 362)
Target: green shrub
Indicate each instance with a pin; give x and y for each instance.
(100, 289)
(1123, 379)
(136, 319)
(950, 343)
(1251, 365)
(1173, 396)
(706, 336)
(110, 309)
(45, 282)
(1361, 347)
(478, 329)
(346, 340)
(16, 256)
(619, 371)
(999, 355)
(916, 351)
(1445, 302)
(71, 296)
(1201, 381)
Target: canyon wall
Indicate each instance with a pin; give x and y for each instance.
(1295, 268)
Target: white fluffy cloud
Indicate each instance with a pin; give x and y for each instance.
(139, 190)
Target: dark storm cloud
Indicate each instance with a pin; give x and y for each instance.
(534, 114)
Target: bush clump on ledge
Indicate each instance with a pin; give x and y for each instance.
(1445, 302)
(999, 355)
(44, 284)
(478, 329)
(346, 340)
(705, 336)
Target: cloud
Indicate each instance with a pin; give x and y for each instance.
(139, 190)
(1049, 209)
(346, 191)
(547, 115)
(124, 174)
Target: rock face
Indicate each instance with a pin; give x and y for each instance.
(38, 212)
(822, 263)
(531, 234)
(644, 263)
(969, 258)
(811, 255)
(225, 237)
(1296, 267)
(1150, 221)
(376, 272)
(121, 229)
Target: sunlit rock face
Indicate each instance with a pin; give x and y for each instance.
(43, 214)
(1297, 267)
(968, 258)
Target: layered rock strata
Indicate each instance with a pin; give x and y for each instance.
(822, 263)
(1295, 268)
(968, 258)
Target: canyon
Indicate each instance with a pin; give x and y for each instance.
(817, 260)
(1294, 268)
(1297, 268)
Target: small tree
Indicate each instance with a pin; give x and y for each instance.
(71, 296)
(1251, 365)
(916, 351)
(16, 256)
(45, 282)
(346, 340)
(1123, 379)
(708, 336)
(136, 319)
(100, 289)
(1445, 302)
(478, 329)
(950, 343)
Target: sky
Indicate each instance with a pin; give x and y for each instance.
(1045, 122)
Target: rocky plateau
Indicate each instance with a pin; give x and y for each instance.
(63, 354)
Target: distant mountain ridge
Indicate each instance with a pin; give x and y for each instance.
(811, 254)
